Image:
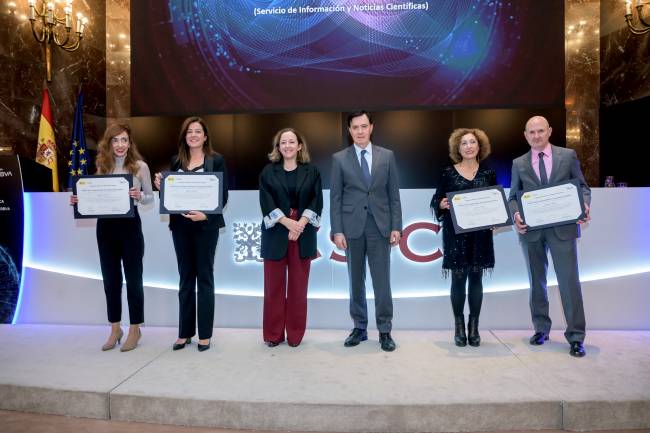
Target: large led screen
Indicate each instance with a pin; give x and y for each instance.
(200, 57)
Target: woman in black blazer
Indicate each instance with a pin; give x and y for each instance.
(195, 237)
(291, 199)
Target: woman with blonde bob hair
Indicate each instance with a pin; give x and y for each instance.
(303, 154)
(467, 256)
(291, 199)
(119, 240)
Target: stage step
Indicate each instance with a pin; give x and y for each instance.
(426, 385)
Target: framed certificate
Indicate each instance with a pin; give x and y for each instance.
(479, 209)
(552, 205)
(182, 192)
(103, 196)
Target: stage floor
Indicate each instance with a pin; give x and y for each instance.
(427, 384)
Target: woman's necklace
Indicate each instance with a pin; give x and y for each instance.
(467, 171)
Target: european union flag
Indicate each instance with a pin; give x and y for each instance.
(78, 163)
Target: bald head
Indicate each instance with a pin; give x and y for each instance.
(537, 132)
(538, 119)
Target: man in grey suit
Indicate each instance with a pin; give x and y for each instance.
(366, 219)
(548, 164)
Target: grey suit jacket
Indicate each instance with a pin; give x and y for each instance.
(350, 198)
(566, 166)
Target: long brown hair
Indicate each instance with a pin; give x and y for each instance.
(184, 149)
(303, 153)
(105, 160)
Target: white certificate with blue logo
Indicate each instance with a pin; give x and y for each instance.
(103, 196)
(552, 205)
(479, 209)
(181, 192)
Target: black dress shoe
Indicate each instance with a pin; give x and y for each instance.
(538, 339)
(179, 346)
(203, 347)
(271, 343)
(294, 344)
(387, 343)
(577, 349)
(356, 336)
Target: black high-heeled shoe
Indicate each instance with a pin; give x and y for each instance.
(203, 347)
(179, 346)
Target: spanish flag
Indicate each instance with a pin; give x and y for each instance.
(46, 146)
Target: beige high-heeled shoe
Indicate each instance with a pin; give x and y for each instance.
(113, 339)
(131, 340)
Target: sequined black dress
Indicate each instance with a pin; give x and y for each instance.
(472, 251)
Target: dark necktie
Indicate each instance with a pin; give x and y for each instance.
(542, 169)
(365, 169)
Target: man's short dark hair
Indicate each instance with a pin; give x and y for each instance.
(358, 114)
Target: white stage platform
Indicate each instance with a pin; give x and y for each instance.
(62, 280)
(428, 384)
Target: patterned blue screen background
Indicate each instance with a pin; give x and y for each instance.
(243, 55)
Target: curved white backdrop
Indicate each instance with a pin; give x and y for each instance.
(62, 280)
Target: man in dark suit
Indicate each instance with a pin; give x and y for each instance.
(548, 164)
(366, 220)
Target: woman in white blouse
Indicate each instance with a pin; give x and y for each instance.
(119, 240)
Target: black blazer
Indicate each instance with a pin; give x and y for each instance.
(275, 195)
(213, 162)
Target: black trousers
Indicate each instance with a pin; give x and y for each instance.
(120, 242)
(195, 250)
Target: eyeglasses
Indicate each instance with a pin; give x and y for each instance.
(116, 140)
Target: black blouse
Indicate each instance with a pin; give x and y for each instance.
(472, 251)
(290, 182)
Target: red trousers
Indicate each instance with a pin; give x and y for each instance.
(285, 296)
